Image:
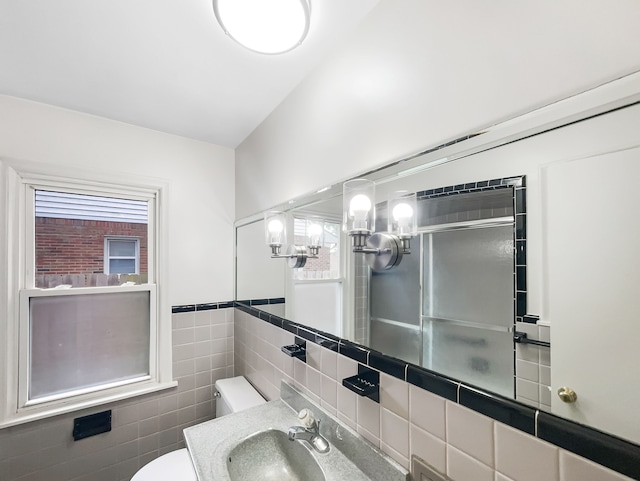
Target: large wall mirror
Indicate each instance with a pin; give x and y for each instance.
(527, 231)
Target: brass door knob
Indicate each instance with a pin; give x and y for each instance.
(567, 394)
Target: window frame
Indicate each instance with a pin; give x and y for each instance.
(108, 256)
(324, 219)
(17, 248)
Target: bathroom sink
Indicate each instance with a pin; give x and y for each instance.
(254, 445)
(270, 456)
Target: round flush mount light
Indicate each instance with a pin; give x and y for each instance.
(264, 26)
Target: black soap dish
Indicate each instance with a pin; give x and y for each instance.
(299, 349)
(366, 383)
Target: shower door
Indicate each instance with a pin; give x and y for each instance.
(468, 304)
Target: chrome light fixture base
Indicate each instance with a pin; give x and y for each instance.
(384, 251)
(296, 255)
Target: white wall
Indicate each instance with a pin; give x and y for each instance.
(200, 177)
(420, 72)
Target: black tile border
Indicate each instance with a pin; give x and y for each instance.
(353, 351)
(609, 451)
(432, 382)
(203, 307)
(517, 181)
(178, 309)
(206, 307)
(389, 365)
(502, 409)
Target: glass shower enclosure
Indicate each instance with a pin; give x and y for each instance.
(449, 306)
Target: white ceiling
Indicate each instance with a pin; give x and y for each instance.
(165, 65)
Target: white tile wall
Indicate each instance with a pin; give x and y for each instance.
(533, 368)
(142, 428)
(457, 441)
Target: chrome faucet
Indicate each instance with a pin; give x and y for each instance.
(309, 432)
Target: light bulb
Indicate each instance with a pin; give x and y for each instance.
(275, 226)
(315, 231)
(403, 215)
(402, 212)
(359, 208)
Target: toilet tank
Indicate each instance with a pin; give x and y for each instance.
(236, 394)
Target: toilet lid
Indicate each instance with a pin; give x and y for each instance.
(173, 466)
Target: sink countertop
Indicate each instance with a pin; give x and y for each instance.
(350, 457)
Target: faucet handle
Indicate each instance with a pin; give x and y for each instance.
(307, 418)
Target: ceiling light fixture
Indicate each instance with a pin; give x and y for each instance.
(269, 27)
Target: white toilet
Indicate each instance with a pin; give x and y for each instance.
(233, 395)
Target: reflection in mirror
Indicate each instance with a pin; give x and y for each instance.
(315, 291)
(257, 275)
(481, 261)
(452, 301)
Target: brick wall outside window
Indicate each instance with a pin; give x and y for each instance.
(72, 246)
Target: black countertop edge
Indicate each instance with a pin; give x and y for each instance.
(499, 408)
(610, 451)
(614, 453)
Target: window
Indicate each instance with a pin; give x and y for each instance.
(81, 342)
(316, 293)
(121, 255)
(327, 265)
(87, 326)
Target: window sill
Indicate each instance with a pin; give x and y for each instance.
(30, 415)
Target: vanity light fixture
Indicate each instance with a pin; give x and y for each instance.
(276, 237)
(268, 27)
(383, 250)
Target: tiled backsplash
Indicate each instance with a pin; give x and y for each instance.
(458, 441)
(143, 427)
(533, 368)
